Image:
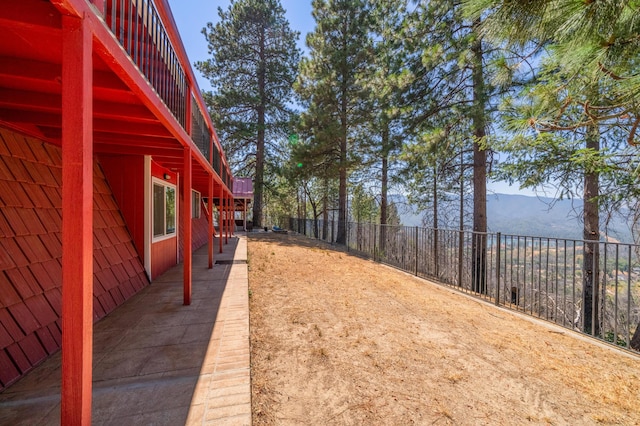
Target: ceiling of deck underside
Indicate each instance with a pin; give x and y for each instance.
(30, 92)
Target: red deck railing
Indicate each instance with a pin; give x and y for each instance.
(138, 27)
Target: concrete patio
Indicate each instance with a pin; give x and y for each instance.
(157, 361)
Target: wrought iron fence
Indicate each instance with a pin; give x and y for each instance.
(587, 286)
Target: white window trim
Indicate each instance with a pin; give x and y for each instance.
(161, 182)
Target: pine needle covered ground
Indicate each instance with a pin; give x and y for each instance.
(336, 339)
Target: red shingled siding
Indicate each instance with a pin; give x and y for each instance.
(199, 230)
(31, 252)
(125, 174)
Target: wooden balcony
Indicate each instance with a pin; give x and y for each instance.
(106, 78)
(145, 96)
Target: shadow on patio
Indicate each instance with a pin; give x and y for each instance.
(156, 361)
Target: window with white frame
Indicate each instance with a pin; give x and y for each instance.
(195, 204)
(164, 210)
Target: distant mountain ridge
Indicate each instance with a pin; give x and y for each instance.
(533, 216)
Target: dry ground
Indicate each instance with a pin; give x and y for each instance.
(336, 339)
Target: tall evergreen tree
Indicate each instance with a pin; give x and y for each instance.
(448, 59)
(329, 87)
(387, 79)
(253, 65)
(585, 95)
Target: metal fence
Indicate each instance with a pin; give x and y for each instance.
(139, 29)
(590, 287)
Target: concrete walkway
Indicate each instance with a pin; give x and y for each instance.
(158, 362)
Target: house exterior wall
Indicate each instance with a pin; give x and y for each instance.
(164, 253)
(164, 256)
(31, 253)
(199, 231)
(125, 174)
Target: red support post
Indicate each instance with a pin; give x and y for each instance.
(77, 221)
(221, 216)
(186, 218)
(210, 232)
(228, 227)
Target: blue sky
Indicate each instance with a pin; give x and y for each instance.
(193, 15)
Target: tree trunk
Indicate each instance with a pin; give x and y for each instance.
(591, 232)
(479, 241)
(258, 188)
(384, 199)
(341, 238)
(299, 203)
(461, 223)
(635, 341)
(325, 210)
(436, 256)
(314, 208)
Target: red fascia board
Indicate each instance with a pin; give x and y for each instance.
(14, 14)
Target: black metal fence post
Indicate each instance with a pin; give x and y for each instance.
(498, 248)
(416, 251)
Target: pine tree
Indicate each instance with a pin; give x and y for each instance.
(387, 79)
(448, 59)
(252, 68)
(570, 117)
(329, 87)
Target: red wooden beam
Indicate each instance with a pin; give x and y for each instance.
(99, 4)
(221, 216)
(77, 222)
(210, 232)
(228, 215)
(186, 217)
(38, 15)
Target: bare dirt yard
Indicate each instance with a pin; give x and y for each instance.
(336, 339)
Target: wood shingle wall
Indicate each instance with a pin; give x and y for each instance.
(31, 253)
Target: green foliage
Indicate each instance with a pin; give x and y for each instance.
(253, 64)
(329, 88)
(252, 41)
(364, 207)
(583, 44)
